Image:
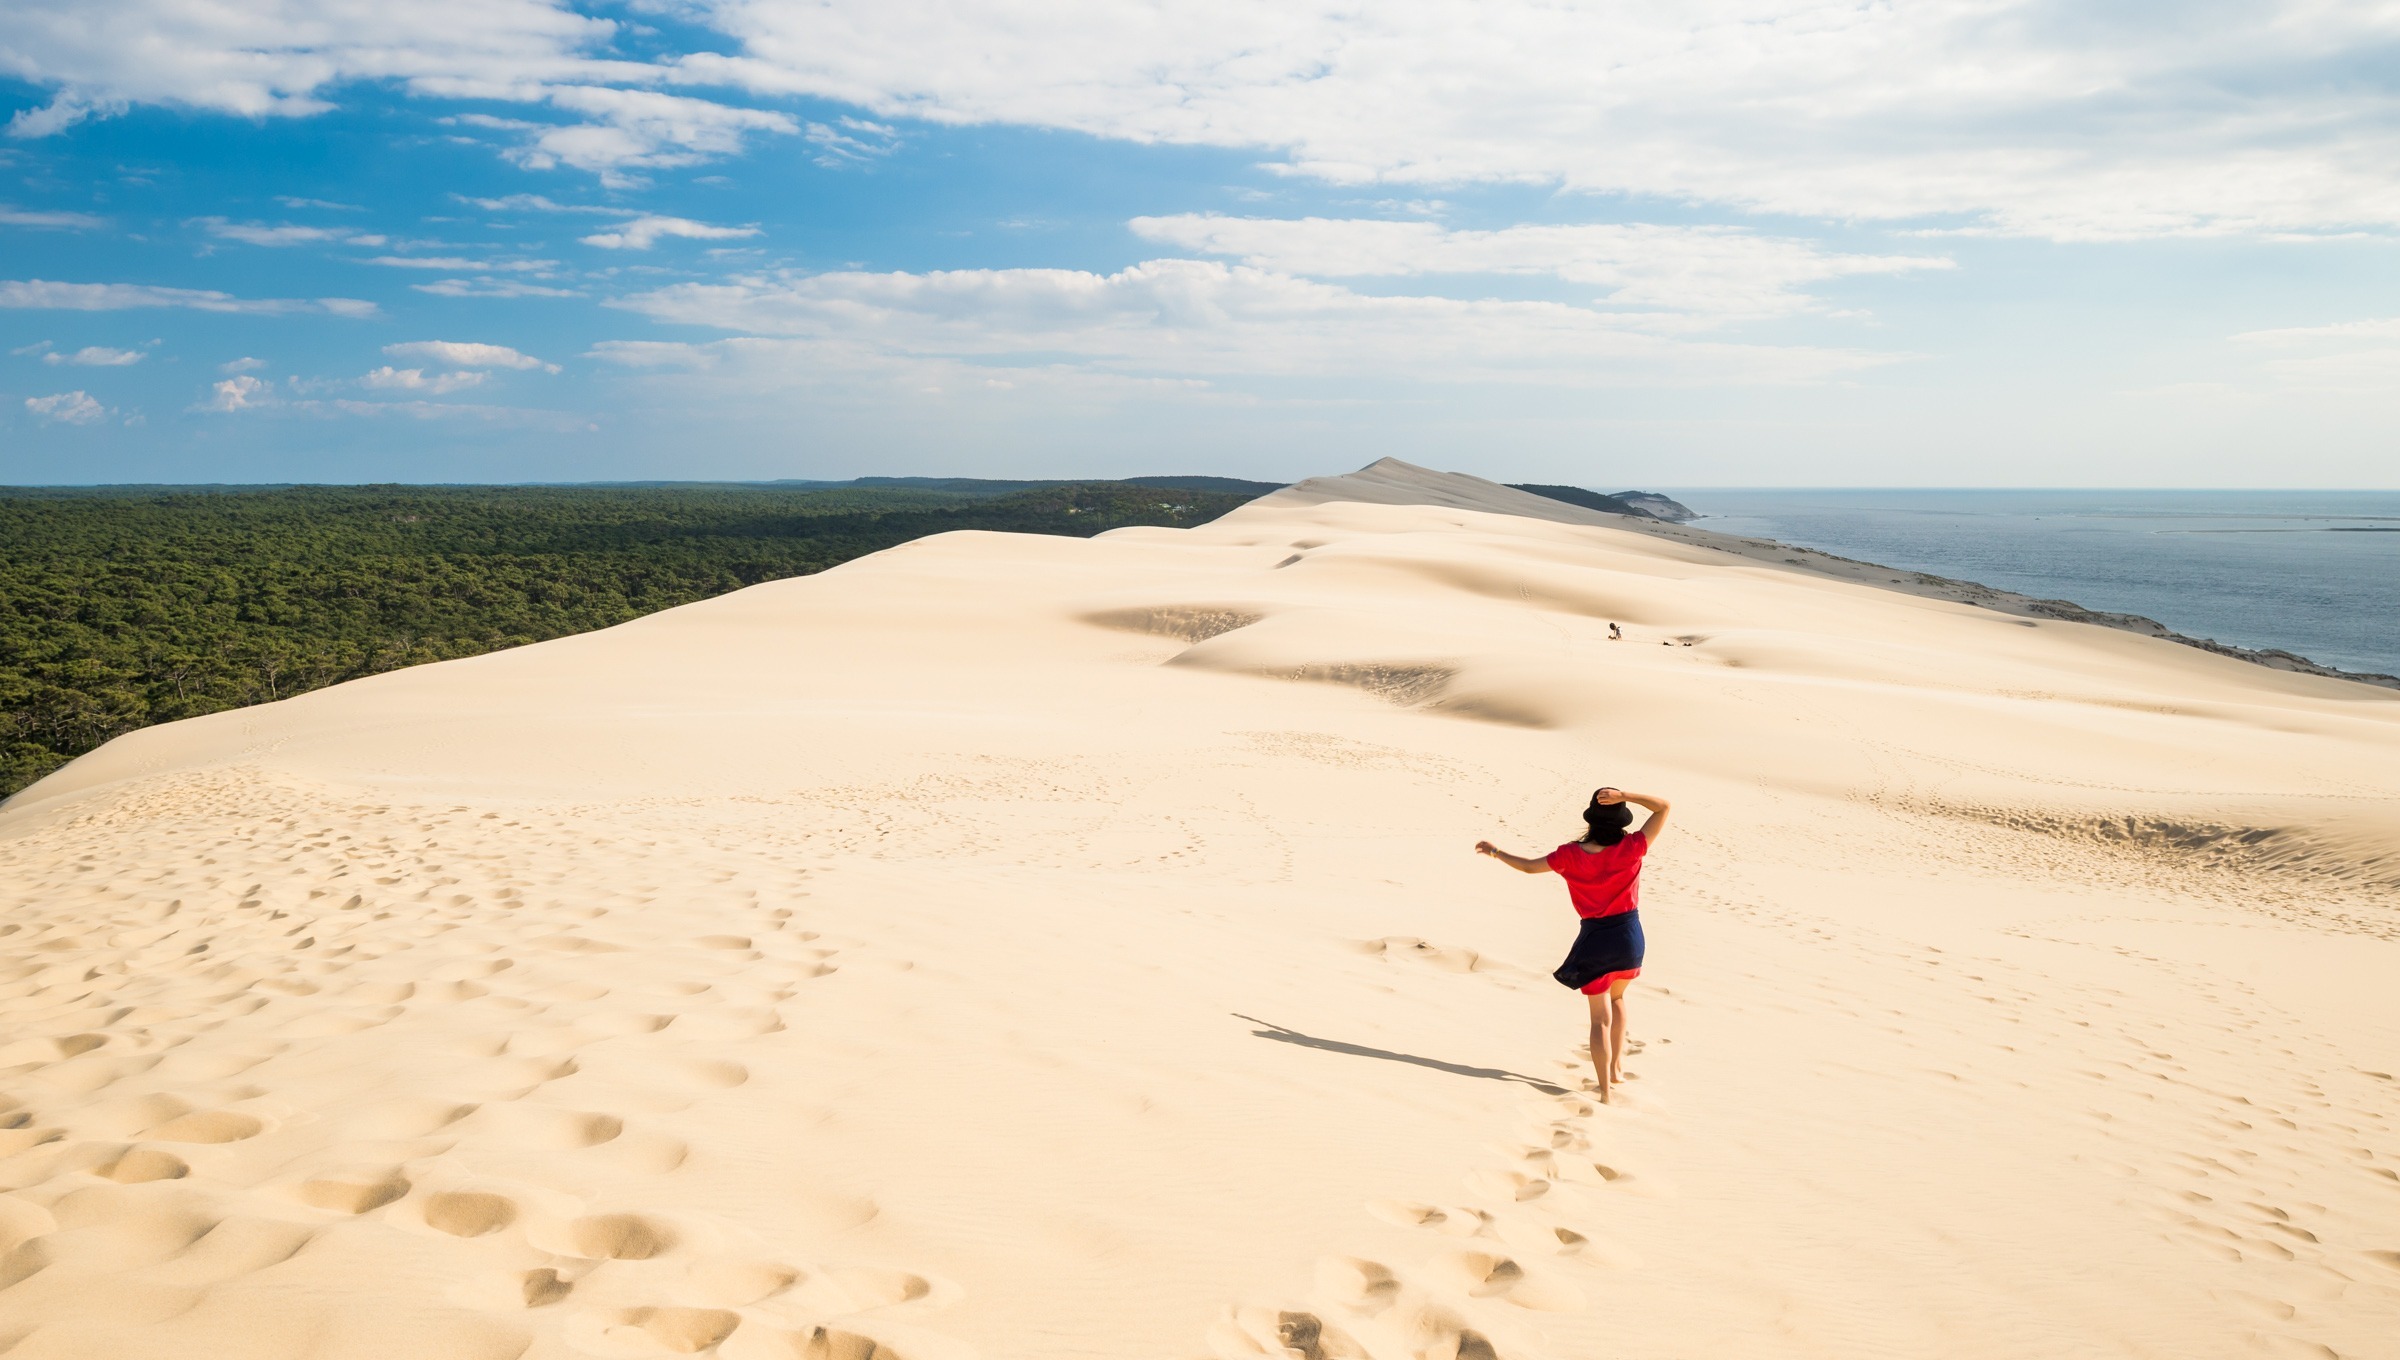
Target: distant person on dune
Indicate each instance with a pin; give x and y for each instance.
(1604, 875)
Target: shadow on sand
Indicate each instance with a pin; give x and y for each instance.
(1292, 1036)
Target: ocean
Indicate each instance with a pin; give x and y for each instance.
(2316, 573)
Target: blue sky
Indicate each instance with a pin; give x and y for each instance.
(1714, 242)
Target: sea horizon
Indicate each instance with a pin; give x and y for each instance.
(2311, 572)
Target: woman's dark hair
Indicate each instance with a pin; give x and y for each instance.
(1607, 821)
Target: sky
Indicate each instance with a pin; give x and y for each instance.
(1677, 243)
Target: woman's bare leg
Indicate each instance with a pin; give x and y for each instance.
(1616, 1031)
(1603, 1042)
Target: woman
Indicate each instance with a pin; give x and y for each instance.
(1604, 875)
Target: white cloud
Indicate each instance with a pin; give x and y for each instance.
(2357, 370)
(266, 58)
(2386, 328)
(2344, 356)
(24, 217)
(258, 234)
(767, 375)
(485, 120)
(453, 262)
(112, 297)
(245, 393)
(644, 232)
(643, 129)
(539, 203)
(96, 356)
(1705, 269)
(62, 112)
(491, 288)
(853, 141)
(659, 354)
(238, 393)
(418, 409)
(1192, 318)
(290, 202)
(414, 379)
(241, 365)
(67, 408)
(2027, 116)
(467, 354)
(2038, 117)
(287, 58)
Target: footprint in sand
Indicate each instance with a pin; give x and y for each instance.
(234, 1247)
(1405, 1213)
(208, 1126)
(1448, 958)
(138, 1165)
(571, 991)
(732, 1025)
(730, 1282)
(621, 1023)
(547, 1041)
(1415, 1328)
(469, 1213)
(1507, 1185)
(544, 1287)
(402, 1120)
(1358, 1284)
(644, 1153)
(353, 1192)
(16, 1140)
(612, 1237)
(199, 1067)
(1483, 1274)
(719, 1074)
(545, 1128)
(682, 1330)
(860, 1288)
(819, 1343)
(388, 993)
(25, 1051)
(1479, 1274)
(1247, 1333)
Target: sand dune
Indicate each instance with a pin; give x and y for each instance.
(1028, 947)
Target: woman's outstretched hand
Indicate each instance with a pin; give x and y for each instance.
(1608, 797)
(1517, 862)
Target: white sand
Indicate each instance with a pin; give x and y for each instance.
(986, 949)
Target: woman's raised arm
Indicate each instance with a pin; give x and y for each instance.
(1656, 807)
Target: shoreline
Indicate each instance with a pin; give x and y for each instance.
(1772, 552)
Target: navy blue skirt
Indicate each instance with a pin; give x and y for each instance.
(1605, 945)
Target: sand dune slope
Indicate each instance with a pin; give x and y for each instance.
(1025, 947)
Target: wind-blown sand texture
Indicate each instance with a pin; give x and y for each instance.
(1034, 947)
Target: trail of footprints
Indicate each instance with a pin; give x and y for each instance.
(160, 1017)
(1496, 1259)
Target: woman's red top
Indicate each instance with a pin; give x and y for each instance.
(1603, 882)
